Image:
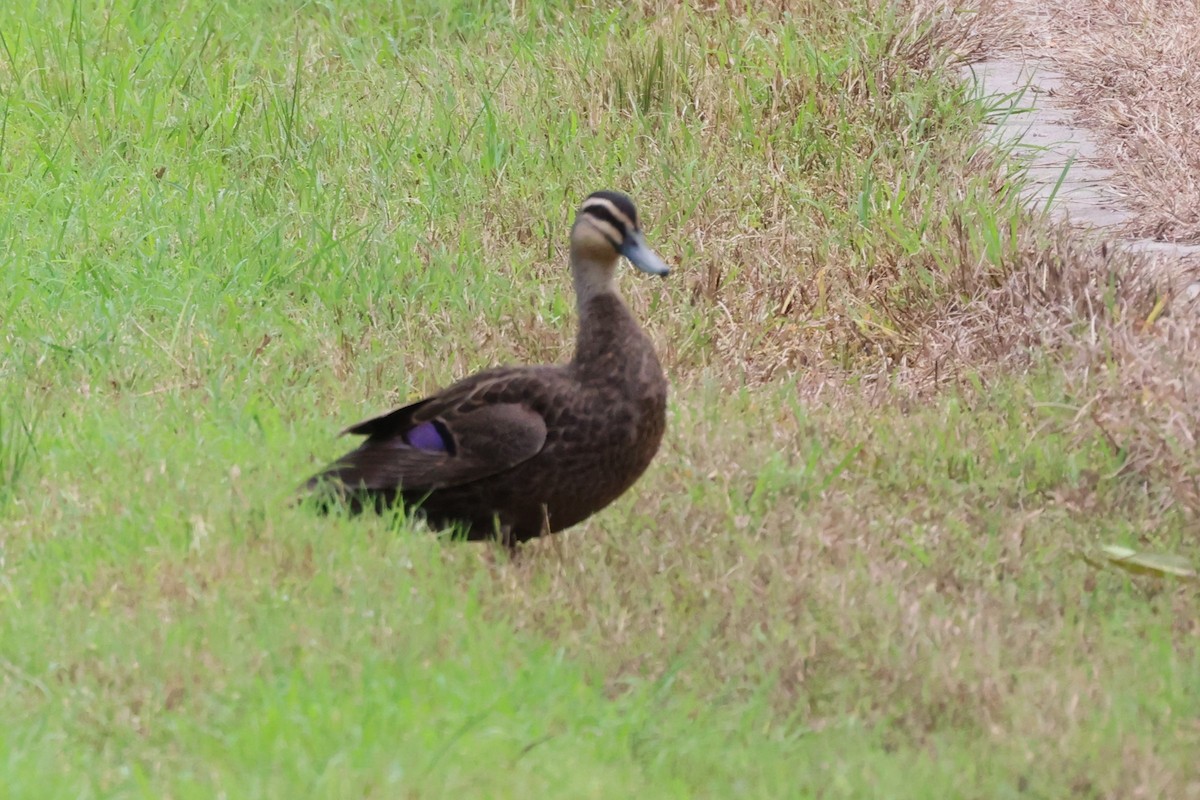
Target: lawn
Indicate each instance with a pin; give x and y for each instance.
(904, 414)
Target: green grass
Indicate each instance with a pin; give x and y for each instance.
(229, 229)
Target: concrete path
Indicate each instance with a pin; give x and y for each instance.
(1086, 196)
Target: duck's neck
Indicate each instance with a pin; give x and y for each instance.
(592, 279)
(607, 330)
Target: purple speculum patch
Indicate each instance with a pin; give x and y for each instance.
(427, 436)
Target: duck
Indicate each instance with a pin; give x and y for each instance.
(516, 452)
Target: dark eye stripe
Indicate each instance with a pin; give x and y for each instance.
(602, 227)
(601, 211)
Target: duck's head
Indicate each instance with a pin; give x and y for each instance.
(606, 228)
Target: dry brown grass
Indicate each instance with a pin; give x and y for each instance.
(1128, 336)
(964, 33)
(1133, 74)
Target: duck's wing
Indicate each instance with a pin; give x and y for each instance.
(476, 428)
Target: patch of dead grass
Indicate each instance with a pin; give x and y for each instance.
(1127, 334)
(1133, 74)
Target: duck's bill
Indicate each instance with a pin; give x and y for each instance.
(642, 257)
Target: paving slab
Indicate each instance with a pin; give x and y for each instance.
(1065, 171)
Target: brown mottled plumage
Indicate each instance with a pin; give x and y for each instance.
(515, 452)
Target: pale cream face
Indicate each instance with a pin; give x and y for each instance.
(592, 239)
